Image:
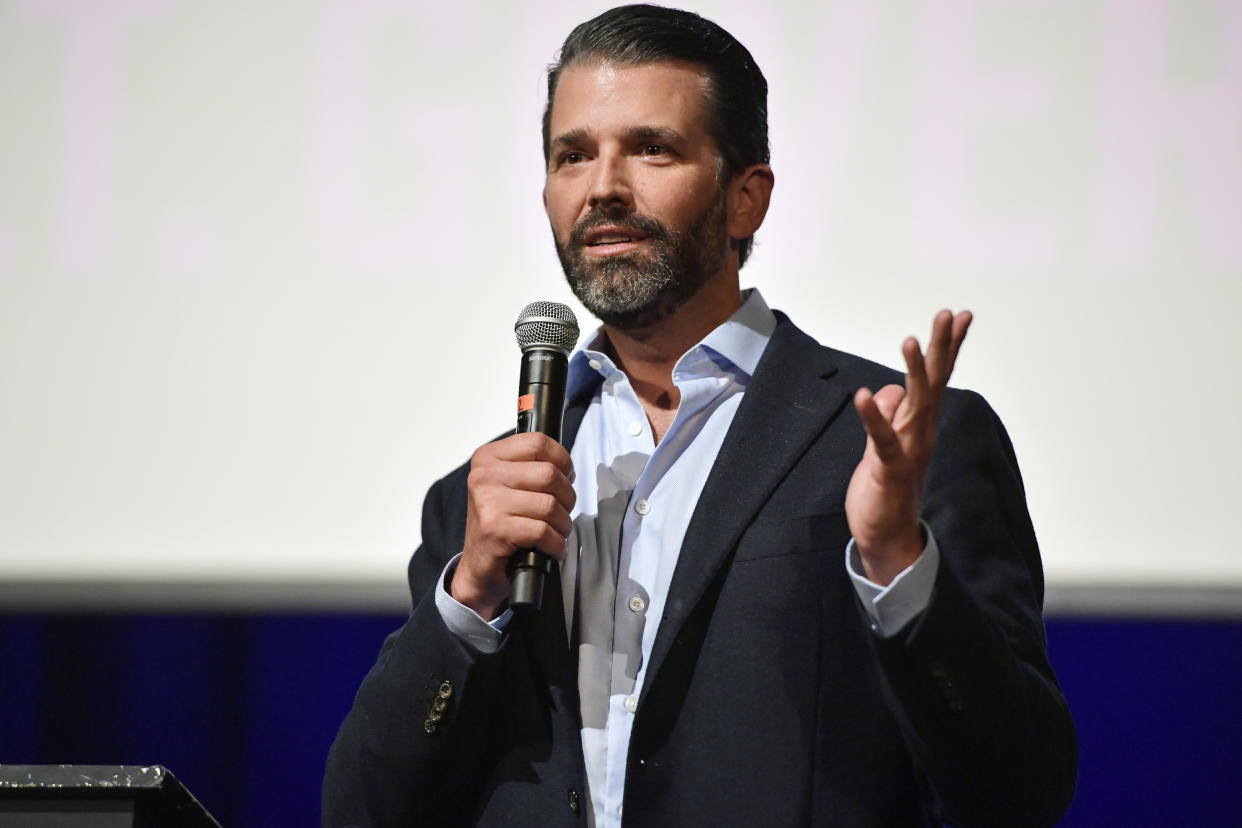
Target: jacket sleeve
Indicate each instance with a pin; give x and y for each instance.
(969, 679)
(409, 751)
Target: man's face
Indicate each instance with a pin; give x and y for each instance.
(633, 192)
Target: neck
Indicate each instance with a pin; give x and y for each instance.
(647, 355)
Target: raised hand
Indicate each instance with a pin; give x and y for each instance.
(884, 498)
(520, 493)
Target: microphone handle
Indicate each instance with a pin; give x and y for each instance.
(541, 407)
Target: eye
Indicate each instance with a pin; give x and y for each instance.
(655, 150)
(572, 157)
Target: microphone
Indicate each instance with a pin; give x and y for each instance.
(546, 333)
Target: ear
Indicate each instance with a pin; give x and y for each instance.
(545, 199)
(750, 192)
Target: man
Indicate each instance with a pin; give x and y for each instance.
(704, 655)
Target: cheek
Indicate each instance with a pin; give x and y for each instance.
(678, 206)
(559, 205)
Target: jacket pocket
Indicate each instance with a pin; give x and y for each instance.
(827, 533)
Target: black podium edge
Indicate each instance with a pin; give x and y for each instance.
(159, 797)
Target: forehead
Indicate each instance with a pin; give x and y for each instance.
(601, 96)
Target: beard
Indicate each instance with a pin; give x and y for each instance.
(635, 290)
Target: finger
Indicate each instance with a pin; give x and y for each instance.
(888, 400)
(551, 542)
(961, 324)
(939, 363)
(541, 507)
(538, 477)
(917, 388)
(519, 448)
(878, 428)
(505, 520)
(503, 490)
(529, 533)
(528, 446)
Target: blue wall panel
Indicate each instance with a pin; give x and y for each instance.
(1158, 705)
(243, 708)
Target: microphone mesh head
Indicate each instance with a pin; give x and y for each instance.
(548, 324)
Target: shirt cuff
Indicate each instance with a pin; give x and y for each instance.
(892, 607)
(465, 623)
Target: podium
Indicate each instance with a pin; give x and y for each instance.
(98, 796)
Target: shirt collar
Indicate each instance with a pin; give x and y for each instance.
(745, 334)
(741, 340)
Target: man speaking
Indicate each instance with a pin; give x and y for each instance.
(791, 588)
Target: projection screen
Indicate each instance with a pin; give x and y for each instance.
(259, 266)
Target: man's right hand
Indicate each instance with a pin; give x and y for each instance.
(520, 492)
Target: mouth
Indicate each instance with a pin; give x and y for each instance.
(613, 240)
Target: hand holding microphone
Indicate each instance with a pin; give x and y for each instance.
(520, 489)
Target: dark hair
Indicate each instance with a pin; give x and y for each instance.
(737, 93)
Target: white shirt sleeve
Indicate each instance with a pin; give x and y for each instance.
(465, 623)
(892, 607)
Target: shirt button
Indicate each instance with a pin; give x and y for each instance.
(595, 364)
(620, 810)
(642, 507)
(636, 428)
(637, 604)
(631, 703)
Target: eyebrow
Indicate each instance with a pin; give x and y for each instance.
(573, 137)
(652, 133)
(579, 135)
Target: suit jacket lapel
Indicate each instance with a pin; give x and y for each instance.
(791, 399)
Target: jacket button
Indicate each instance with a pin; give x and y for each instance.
(439, 703)
(575, 802)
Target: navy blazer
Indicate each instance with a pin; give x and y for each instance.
(768, 698)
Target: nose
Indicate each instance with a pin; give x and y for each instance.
(610, 184)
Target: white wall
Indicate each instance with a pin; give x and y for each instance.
(259, 263)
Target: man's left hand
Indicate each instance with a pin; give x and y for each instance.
(885, 495)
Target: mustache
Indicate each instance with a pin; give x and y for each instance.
(614, 217)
